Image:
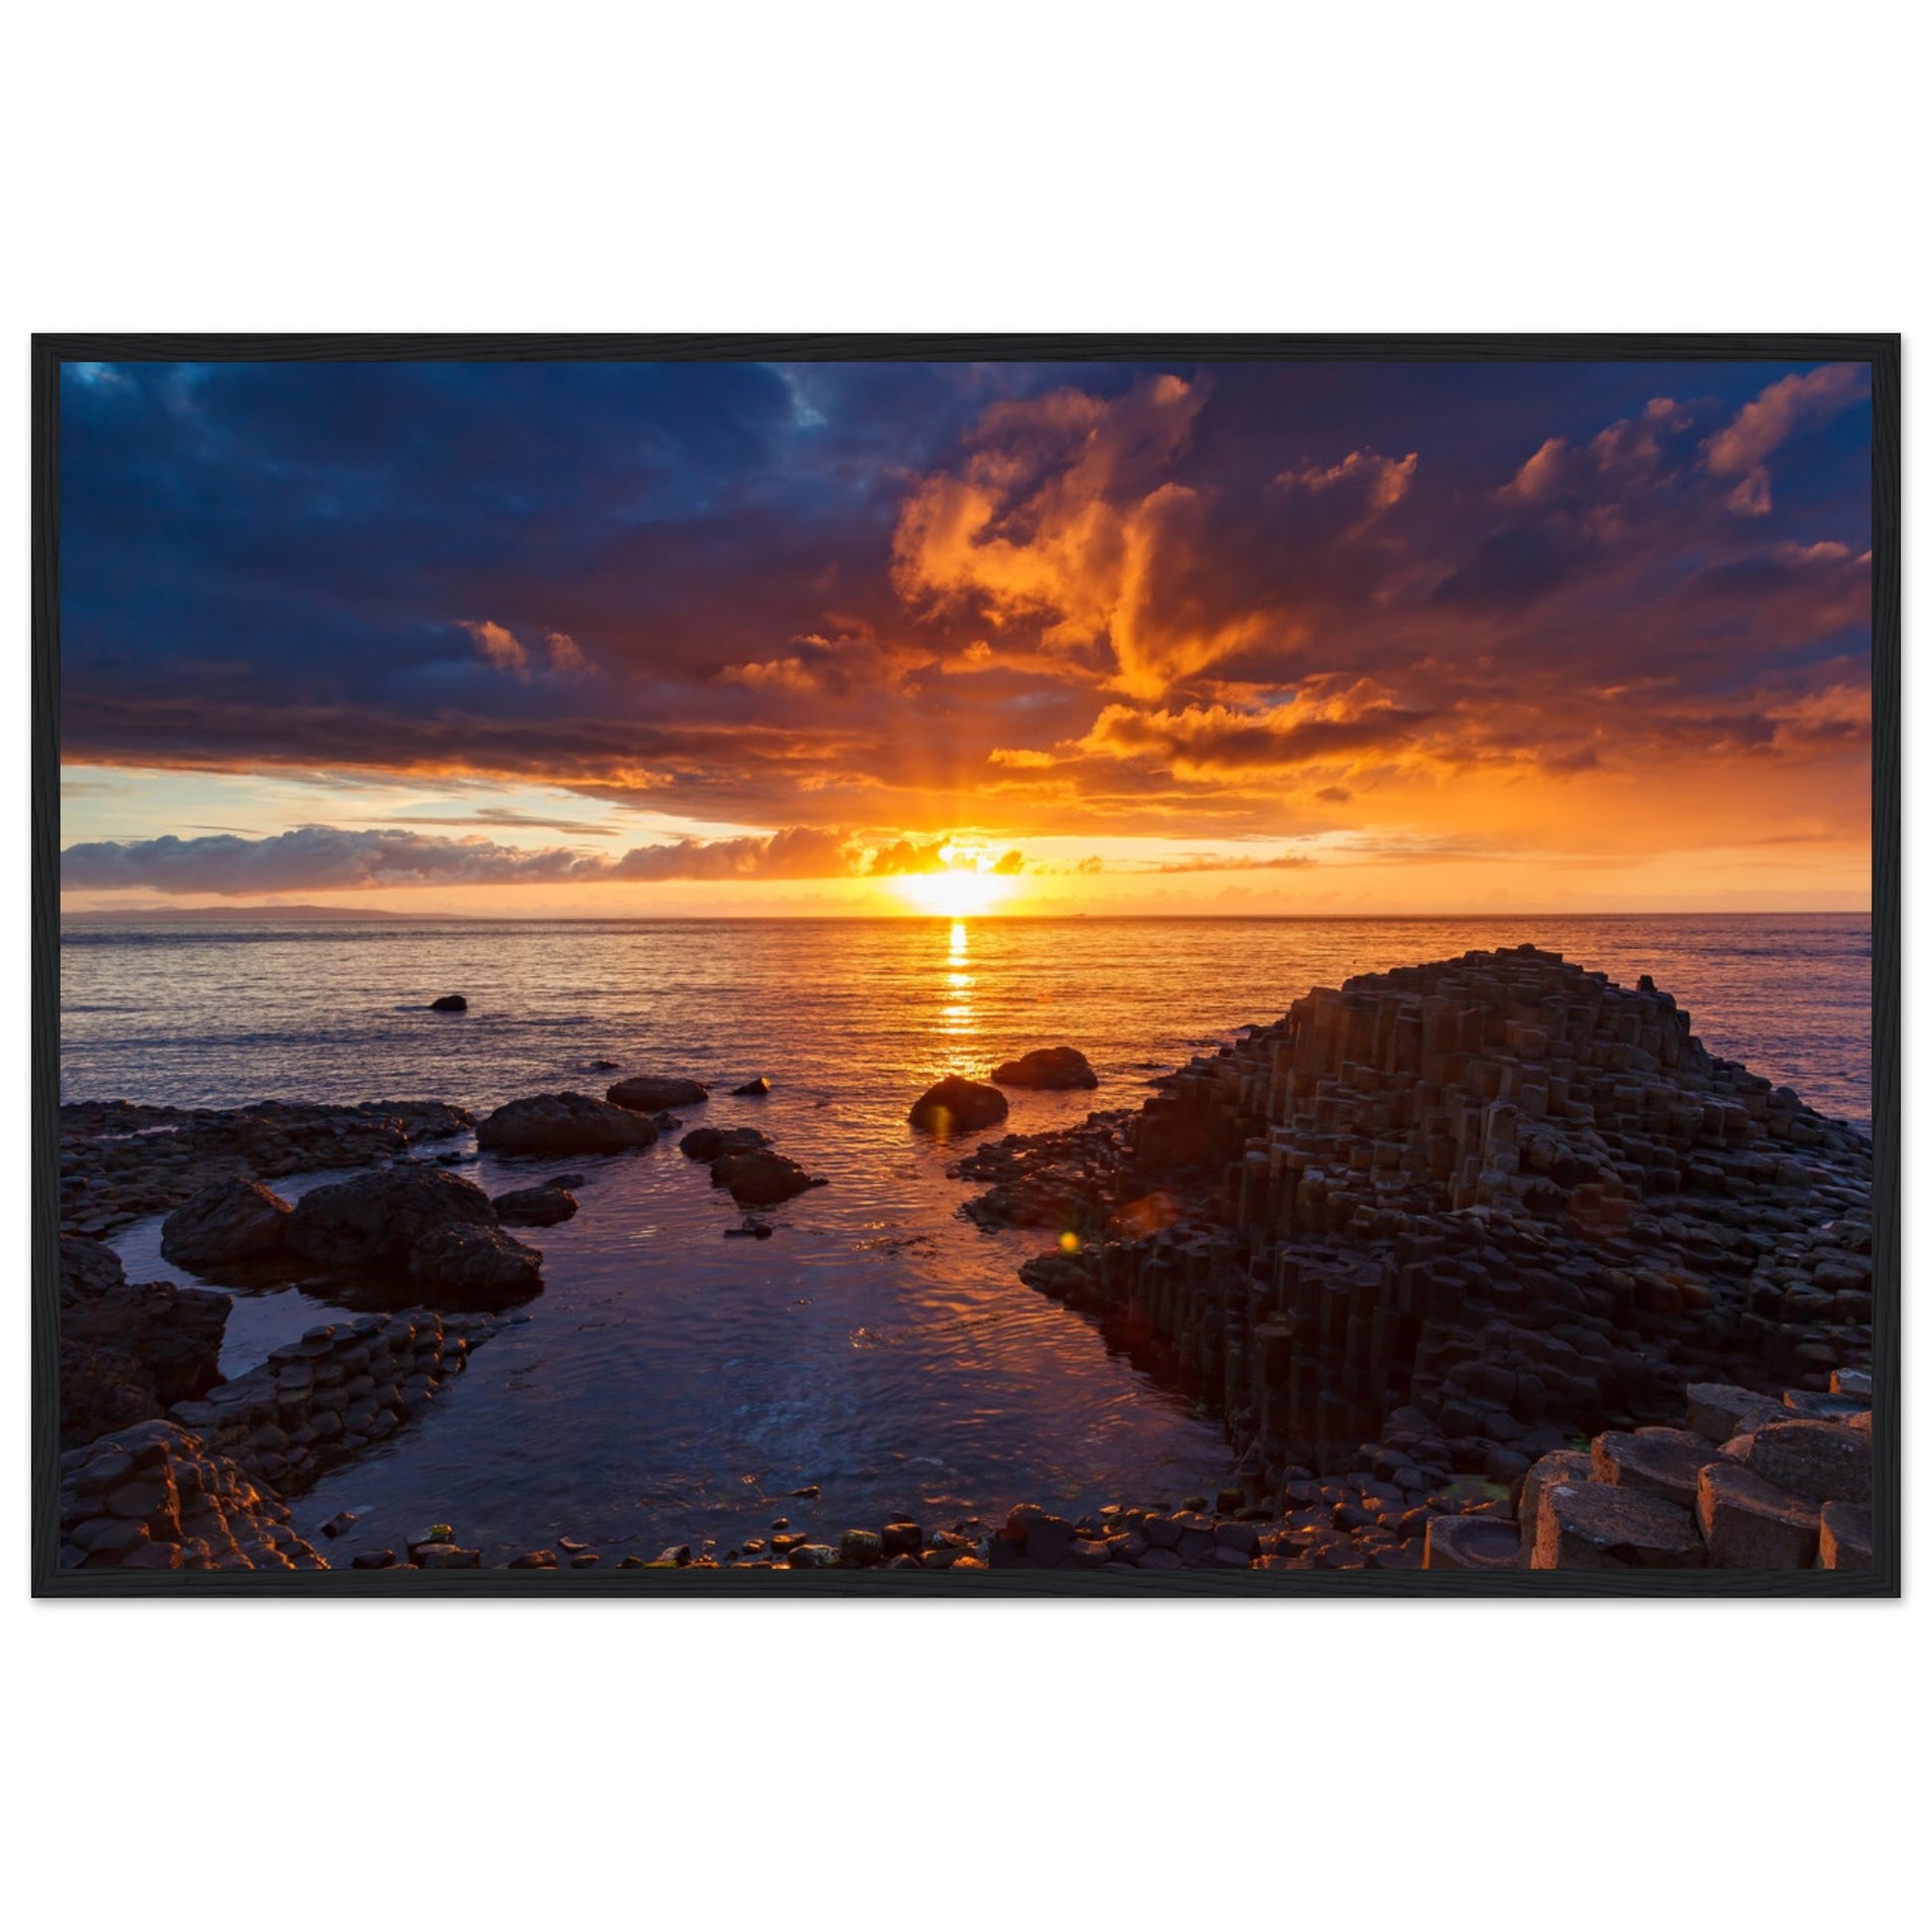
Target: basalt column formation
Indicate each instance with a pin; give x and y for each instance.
(1496, 1198)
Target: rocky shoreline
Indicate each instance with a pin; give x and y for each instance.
(1483, 1264)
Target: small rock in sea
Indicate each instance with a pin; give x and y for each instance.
(713, 1143)
(340, 1523)
(1050, 1068)
(450, 1003)
(753, 1089)
(536, 1207)
(373, 1560)
(570, 1545)
(646, 1093)
(534, 1560)
(379, 1217)
(563, 1123)
(604, 1066)
(585, 1560)
(476, 1261)
(763, 1178)
(232, 1220)
(782, 1522)
(678, 1553)
(809, 1493)
(956, 1105)
(630, 1563)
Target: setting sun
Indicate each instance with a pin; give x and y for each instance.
(964, 885)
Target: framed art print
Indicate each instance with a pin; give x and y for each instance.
(769, 966)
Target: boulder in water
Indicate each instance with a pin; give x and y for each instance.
(450, 1003)
(377, 1218)
(536, 1207)
(476, 1263)
(708, 1143)
(563, 1123)
(229, 1222)
(753, 1089)
(1050, 1068)
(956, 1105)
(761, 1177)
(650, 1093)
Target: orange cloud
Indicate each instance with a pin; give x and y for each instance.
(498, 647)
(1062, 519)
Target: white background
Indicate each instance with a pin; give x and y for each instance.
(594, 167)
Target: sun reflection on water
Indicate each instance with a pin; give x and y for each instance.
(956, 1017)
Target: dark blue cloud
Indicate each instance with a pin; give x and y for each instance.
(267, 563)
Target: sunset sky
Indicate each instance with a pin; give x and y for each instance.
(740, 638)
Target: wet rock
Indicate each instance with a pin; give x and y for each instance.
(902, 1536)
(373, 1560)
(861, 1548)
(645, 1093)
(89, 1268)
(536, 1207)
(1602, 1526)
(230, 1221)
(712, 1143)
(811, 1556)
(481, 1262)
(753, 1089)
(1844, 1536)
(340, 1523)
(450, 1003)
(128, 1351)
(446, 1556)
(763, 1178)
(563, 1123)
(956, 1105)
(119, 1162)
(1049, 1540)
(377, 1219)
(1750, 1525)
(1048, 1067)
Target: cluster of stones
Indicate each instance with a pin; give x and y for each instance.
(900, 1543)
(957, 1105)
(438, 1228)
(155, 1496)
(1748, 1483)
(633, 1113)
(1475, 1203)
(341, 1387)
(120, 1162)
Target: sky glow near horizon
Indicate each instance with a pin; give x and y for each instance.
(953, 640)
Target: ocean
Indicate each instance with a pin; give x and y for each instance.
(673, 1385)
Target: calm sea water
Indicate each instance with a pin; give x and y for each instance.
(674, 1383)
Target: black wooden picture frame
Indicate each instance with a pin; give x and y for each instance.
(1881, 353)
